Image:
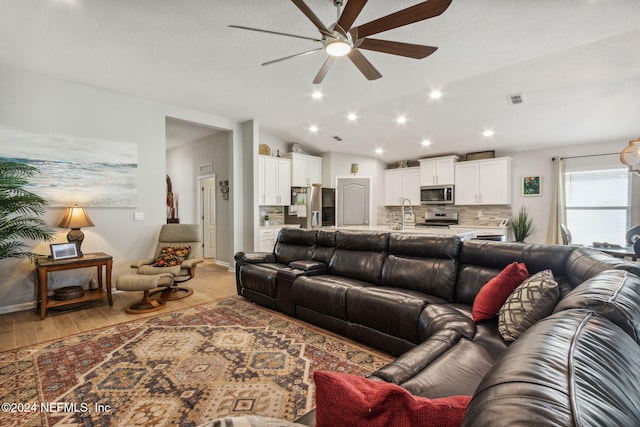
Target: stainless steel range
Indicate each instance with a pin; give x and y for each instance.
(440, 219)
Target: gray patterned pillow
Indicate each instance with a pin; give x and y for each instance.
(532, 300)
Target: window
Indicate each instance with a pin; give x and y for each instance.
(598, 199)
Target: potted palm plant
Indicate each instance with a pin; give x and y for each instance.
(19, 211)
(522, 225)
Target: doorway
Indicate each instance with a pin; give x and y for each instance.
(353, 200)
(207, 203)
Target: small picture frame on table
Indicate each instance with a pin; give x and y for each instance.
(532, 186)
(63, 251)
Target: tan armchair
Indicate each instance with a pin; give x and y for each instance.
(177, 253)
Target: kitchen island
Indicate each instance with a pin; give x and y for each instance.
(412, 229)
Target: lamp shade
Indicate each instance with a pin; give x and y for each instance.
(75, 218)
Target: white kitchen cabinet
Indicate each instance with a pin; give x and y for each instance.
(274, 181)
(438, 170)
(305, 169)
(268, 236)
(483, 182)
(401, 183)
(266, 240)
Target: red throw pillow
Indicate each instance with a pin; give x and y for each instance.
(347, 400)
(496, 291)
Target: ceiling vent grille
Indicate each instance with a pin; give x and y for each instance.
(516, 99)
(206, 168)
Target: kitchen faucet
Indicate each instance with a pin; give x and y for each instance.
(403, 212)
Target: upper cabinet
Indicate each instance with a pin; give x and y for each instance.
(438, 170)
(274, 181)
(483, 182)
(305, 169)
(401, 183)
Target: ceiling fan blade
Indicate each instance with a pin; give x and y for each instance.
(292, 56)
(350, 13)
(312, 16)
(419, 12)
(409, 50)
(275, 32)
(324, 70)
(364, 65)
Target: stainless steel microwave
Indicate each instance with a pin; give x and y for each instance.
(436, 195)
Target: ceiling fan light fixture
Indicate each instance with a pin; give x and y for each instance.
(337, 47)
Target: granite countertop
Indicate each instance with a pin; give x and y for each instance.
(478, 226)
(411, 228)
(281, 226)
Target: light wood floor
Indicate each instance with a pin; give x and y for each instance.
(19, 329)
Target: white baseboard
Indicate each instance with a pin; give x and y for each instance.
(225, 264)
(18, 307)
(31, 305)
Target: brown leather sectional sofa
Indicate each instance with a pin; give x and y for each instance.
(411, 295)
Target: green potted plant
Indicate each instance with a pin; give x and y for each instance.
(19, 211)
(522, 225)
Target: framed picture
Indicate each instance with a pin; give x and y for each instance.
(532, 186)
(63, 251)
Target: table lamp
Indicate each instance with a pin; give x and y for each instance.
(75, 218)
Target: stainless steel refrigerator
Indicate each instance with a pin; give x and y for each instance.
(306, 206)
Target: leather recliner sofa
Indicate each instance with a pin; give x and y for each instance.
(411, 295)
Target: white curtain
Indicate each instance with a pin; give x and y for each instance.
(558, 214)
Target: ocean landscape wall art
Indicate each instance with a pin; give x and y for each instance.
(75, 171)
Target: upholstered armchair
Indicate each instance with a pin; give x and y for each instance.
(177, 253)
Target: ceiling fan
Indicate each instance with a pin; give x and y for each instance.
(341, 39)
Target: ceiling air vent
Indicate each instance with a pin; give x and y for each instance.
(515, 99)
(206, 168)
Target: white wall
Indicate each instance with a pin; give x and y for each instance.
(336, 164)
(183, 166)
(41, 104)
(538, 162)
(273, 142)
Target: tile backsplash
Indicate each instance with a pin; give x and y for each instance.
(490, 214)
(276, 214)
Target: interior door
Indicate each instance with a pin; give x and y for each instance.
(209, 217)
(353, 201)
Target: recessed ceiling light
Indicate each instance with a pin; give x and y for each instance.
(426, 143)
(317, 94)
(313, 129)
(401, 120)
(352, 116)
(379, 151)
(488, 132)
(435, 94)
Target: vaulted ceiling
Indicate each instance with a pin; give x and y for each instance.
(576, 62)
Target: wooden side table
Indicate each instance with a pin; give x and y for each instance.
(44, 265)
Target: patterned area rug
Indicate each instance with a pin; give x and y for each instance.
(228, 358)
